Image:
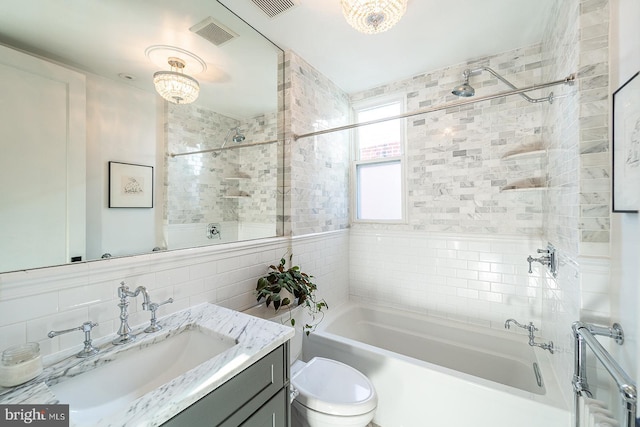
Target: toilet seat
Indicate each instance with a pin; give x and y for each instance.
(331, 387)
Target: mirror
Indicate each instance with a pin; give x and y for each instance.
(214, 162)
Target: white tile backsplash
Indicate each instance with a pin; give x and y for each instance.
(225, 275)
(442, 281)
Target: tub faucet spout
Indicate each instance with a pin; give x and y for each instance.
(532, 339)
(507, 324)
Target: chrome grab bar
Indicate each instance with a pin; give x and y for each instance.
(584, 335)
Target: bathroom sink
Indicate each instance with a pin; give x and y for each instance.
(132, 373)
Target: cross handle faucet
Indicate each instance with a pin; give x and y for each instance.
(86, 327)
(153, 307)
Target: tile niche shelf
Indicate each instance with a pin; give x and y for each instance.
(237, 194)
(529, 184)
(516, 155)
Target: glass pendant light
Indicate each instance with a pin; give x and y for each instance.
(373, 16)
(174, 85)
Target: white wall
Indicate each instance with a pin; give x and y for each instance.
(42, 170)
(121, 127)
(625, 238)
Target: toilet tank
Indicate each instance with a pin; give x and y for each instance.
(284, 316)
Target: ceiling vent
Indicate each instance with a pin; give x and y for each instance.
(214, 31)
(274, 8)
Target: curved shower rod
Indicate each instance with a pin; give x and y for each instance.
(469, 72)
(569, 80)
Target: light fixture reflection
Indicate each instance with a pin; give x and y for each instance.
(174, 85)
(373, 16)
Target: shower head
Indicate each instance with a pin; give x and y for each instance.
(238, 137)
(465, 89)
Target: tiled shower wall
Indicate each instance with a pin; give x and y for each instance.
(201, 184)
(454, 158)
(577, 128)
(462, 252)
(577, 206)
(317, 171)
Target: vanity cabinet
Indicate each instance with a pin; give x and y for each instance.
(256, 397)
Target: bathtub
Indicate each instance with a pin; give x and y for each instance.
(434, 372)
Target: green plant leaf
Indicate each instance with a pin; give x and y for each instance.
(293, 322)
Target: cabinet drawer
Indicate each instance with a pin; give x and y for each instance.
(272, 414)
(239, 397)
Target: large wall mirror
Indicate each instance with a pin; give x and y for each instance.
(79, 116)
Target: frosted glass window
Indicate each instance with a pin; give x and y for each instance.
(380, 191)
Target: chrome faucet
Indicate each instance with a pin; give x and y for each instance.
(124, 332)
(532, 339)
(548, 259)
(86, 327)
(153, 307)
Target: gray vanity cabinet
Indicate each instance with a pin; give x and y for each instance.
(256, 397)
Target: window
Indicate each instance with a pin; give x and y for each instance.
(378, 163)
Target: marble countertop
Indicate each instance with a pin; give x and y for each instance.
(255, 339)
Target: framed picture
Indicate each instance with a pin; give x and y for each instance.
(626, 146)
(130, 186)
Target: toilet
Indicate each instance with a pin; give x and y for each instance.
(327, 392)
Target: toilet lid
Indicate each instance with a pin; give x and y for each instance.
(332, 387)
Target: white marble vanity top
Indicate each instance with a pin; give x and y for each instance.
(255, 339)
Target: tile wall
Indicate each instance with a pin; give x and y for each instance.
(480, 279)
(36, 301)
(317, 172)
(576, 128)
(577, 204)
(201, 185)
(454, 158)
(462, 252)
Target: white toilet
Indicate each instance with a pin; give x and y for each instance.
(327, 392)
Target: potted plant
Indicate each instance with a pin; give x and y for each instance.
(290, 287)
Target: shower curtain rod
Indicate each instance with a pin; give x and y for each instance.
(567, 80)
(211, 150)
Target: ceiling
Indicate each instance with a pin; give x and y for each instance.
(109, 37)
(432, 34)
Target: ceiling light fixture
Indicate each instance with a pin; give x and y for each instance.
(174, 85)
(373, 16)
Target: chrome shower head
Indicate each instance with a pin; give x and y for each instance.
(238, 137)
(465, 89)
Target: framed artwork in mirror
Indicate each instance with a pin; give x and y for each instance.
(626, 147)
(130, 185)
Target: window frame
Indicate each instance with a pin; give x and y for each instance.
(366, 105)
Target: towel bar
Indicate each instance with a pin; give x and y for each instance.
(584, 335)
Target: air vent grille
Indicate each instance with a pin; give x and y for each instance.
(274, 8)
(213, 31)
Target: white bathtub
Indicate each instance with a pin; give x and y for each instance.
(433, 372)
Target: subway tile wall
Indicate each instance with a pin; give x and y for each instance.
(36, 301)
(577, 207)
(201, 184)
(478, 279)
(576, 128)
(317, 170)
(457, 163)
